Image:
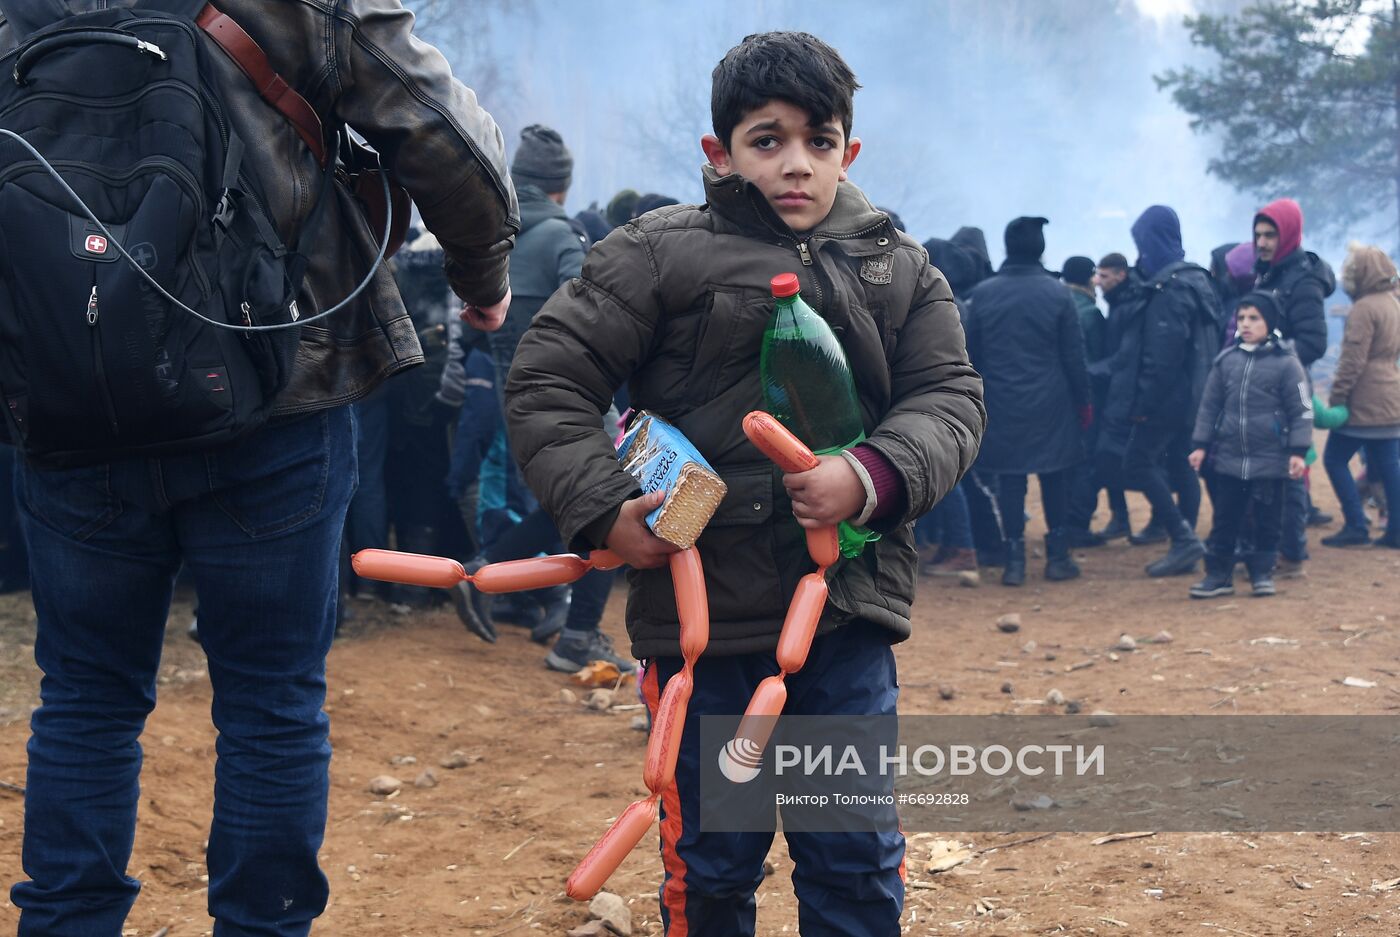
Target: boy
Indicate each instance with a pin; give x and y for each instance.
(1257, 414)
(676, 303)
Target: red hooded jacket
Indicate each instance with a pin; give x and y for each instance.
(1286, 215)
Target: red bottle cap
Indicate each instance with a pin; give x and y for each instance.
(784, 285)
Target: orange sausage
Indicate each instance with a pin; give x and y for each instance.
(414, 569)
(604, 559)
(607, 854)
(536, 572)
(665, 743)
(824, 546)
(775, 441)
(692, 602)
(766, 704)
(804, 611)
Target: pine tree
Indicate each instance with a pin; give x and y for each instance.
(1306, 100)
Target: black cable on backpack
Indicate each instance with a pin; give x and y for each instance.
(77, 199)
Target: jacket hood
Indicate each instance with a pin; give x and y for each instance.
(959, 266)
(1286, 215)
(1367, 270)
(536, 206)
(975, 242)
(739, 201)
(1157, 234)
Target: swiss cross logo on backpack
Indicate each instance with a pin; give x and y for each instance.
(96, 244)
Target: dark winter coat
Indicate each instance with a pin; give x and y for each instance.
(1302, 280)
(1113, 381)
(1024, 338)
(1256, 412)
(676, 303)
(1091, 323)
(547, 255)
(1153, 368)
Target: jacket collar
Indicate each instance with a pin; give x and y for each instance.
(854, 223)
(1020, 269)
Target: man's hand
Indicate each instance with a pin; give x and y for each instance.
(487, 318)
(827, 495)
(1197, 458)
(1297, 465)
(631, 538)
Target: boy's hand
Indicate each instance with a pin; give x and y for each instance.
(826, 495)
(487, 318)
(1297, 465)
(631, 538)
(1196, 458)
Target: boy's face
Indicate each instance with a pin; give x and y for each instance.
(1251, 325)
(794, 164)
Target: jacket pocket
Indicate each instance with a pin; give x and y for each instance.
(712, 338)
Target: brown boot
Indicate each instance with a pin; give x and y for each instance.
(953, 563)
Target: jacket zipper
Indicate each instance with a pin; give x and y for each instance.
(1244, 426)
(99, 369)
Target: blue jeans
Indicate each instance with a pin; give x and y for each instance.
(367, 523)
(258, 526)
(847, 884)
(1382, 462)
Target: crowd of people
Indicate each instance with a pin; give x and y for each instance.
(1166, 391)
(498, 446)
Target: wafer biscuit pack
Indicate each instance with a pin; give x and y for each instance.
(660, 457)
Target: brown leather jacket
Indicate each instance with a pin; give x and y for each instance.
(357, 63)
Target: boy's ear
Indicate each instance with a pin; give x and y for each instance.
(848, 157)
(716, 153)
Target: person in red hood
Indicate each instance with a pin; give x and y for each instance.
(1300, 281)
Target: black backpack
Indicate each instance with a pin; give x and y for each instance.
(1205, 327)
(147, 303)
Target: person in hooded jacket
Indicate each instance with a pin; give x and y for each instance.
(1302, 281)
(1172, 342)
(1023, 336)
(1367, 381)
(1255, 426)
(964, 261)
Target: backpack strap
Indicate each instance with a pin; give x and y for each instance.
(252, 60)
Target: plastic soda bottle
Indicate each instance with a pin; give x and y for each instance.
(807, 385)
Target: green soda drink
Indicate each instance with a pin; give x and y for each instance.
(807, 385)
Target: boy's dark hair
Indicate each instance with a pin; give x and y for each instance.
(787, 66)
(1114, 262)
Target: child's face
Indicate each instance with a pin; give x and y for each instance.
(1250, 325)
(795, 165)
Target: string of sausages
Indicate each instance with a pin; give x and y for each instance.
(744, 753)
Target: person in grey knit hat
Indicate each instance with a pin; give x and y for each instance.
(542, 160)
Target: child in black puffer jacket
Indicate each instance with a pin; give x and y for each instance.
(1256, 418)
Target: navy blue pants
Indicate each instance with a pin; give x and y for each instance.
(258, 526)
(846, 884)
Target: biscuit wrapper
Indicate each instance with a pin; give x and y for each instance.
(660, 457)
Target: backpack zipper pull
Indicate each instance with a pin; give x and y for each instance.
(804, 253)
(247, 311)
(92, 307)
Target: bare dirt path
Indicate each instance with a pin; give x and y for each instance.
(486, 851)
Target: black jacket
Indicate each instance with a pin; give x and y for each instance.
(1151, 371)
(1023, 336)
(1302, 280)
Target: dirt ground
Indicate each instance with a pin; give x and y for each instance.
(486, 852)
